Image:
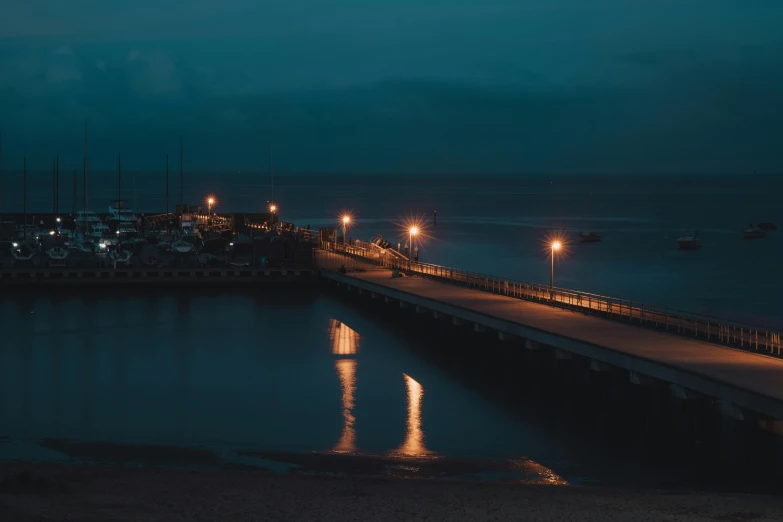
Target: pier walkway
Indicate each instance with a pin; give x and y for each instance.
(746, 385)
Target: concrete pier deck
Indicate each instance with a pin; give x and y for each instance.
(746, 384)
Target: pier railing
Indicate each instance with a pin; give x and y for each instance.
(718, 330)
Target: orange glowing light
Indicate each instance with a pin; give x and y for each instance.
(414, 437)
(346, 371)
(345, 340)
(414, 230)
(346, 220)
(556, 245)
(273, 208)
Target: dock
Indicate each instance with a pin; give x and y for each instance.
(744, 384)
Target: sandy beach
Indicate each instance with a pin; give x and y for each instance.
(52, 492)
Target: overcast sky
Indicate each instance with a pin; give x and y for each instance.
(523, 86)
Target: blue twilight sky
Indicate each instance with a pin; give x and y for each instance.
(430, 86)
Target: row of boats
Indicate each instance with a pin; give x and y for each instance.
(691, 239)
(115, 239)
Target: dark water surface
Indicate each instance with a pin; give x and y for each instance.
(239, 372)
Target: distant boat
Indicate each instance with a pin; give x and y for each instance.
(120, 213)
(768, 226)
(589, 237)
(182, 246)
(753, 232)
(689, 240)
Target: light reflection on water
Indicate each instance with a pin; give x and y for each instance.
(414, 438)
(231, 370)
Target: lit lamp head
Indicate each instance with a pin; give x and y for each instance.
(58, 220)
(273, 208)
(556, 245)
(51, 232)
(414, 231)
(346, 220)
(211, 201)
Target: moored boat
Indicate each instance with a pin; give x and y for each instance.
(689, 240)
(753, 232)
(589, 237)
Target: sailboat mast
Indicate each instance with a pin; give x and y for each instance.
(181, 185)
(24, 196)
(1, 179)
(54, 187)
(86, 162)
(271, 175)
(167, 183)
(119, 200)
(73, 203)
(57, 184)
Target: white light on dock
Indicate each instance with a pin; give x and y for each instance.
(14, 245)
(51, 232)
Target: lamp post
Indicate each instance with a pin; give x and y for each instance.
(555, 247)
(346, 220)
(413, 231)
(210, 202)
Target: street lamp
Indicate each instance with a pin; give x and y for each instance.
(556, 245)
(413, 231)
(346, 220)
(210, 202)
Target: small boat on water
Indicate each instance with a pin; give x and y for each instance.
(689, 240)
(22, 251)
(99, 230)
(86, 217)
(120, 213)
(57, 256)
(768, 226)
(182, 246)
(753, 232)
(119, 256)
(589, 237)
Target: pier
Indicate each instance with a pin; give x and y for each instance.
(737, 377)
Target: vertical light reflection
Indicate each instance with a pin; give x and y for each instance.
(345, 340)
(345, 344)
(346, 371)
(414, 438)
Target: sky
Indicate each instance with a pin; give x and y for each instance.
(631, 87)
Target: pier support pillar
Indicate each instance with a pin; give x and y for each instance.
(532, 345)
(478, 328)
(598, 366)
(437, 315)
(503, 336)
(403, 304)
(456, 321)
(637, 378)
(563, 355)
(386, 299)
(420, 310)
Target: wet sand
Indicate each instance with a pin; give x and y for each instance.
(48, 492)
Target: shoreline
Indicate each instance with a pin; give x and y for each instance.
(42, 492)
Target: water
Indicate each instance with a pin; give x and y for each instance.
(236, 372)
(499, 226)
